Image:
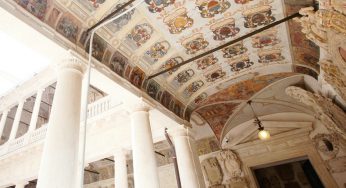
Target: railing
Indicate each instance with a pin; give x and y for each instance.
(95, 109)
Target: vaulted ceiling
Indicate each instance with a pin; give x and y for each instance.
(162, 33)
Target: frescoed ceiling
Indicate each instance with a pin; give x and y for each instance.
(162, 33)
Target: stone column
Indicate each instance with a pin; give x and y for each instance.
(16, 121)
(3, 121)
(120, 169)
(58, 166)
(144, 162)
(35, 111)
(188, 162)
(21, 184)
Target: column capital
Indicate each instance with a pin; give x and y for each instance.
(71, 63)
(181, 131)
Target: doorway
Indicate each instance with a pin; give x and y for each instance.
(296, 174)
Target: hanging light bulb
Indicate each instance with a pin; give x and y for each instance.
(263, 134)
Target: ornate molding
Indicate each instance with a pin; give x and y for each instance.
(72, 63)
(324, 109)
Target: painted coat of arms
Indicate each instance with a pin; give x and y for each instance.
(158, 50)
(178, 21)
(234, 50)
(185, 76)
(140, 34)
(193, 87)
(172, 62)
(206, 61)
(200, 98)
(268, 56)
(224, 29)
(266, 38)
(240, 63)
(211, 77)
(258, 16)
(242, 1)
(209, 9)
(158, 5)
(96, 3)
(195, 43)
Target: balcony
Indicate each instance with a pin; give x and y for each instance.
(96, 110)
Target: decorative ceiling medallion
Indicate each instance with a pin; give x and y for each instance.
(224, 29)
(172, 62)
(240, 64)
(193, 87)
(242, 1)
(96, 3)
(266, 38)
(258, 16)
(140, 34)
(268, 56)
(206, 61)
(158, 5)
(184, 76)
(209, 8)
(177, 21)
(215, 75)
(158, 50)
(200, 98)
(195, 43)
(234, 50)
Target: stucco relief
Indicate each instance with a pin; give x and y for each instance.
(327, 144)
(327, 28)
(324, 109)
(224, 170)
(231, 166)
(212, 171)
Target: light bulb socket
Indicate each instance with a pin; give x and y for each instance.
(260, 128)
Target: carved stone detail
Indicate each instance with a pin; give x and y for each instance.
(231, 166)
(324, 109)
(316, 24)
(212, 171)
(327, 28)
(327, 144)
(334, 77)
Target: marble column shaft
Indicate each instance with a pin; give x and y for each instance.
(144, 161)
(188, 162)
(58, 166)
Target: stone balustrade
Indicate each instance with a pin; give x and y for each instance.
(96, 110)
